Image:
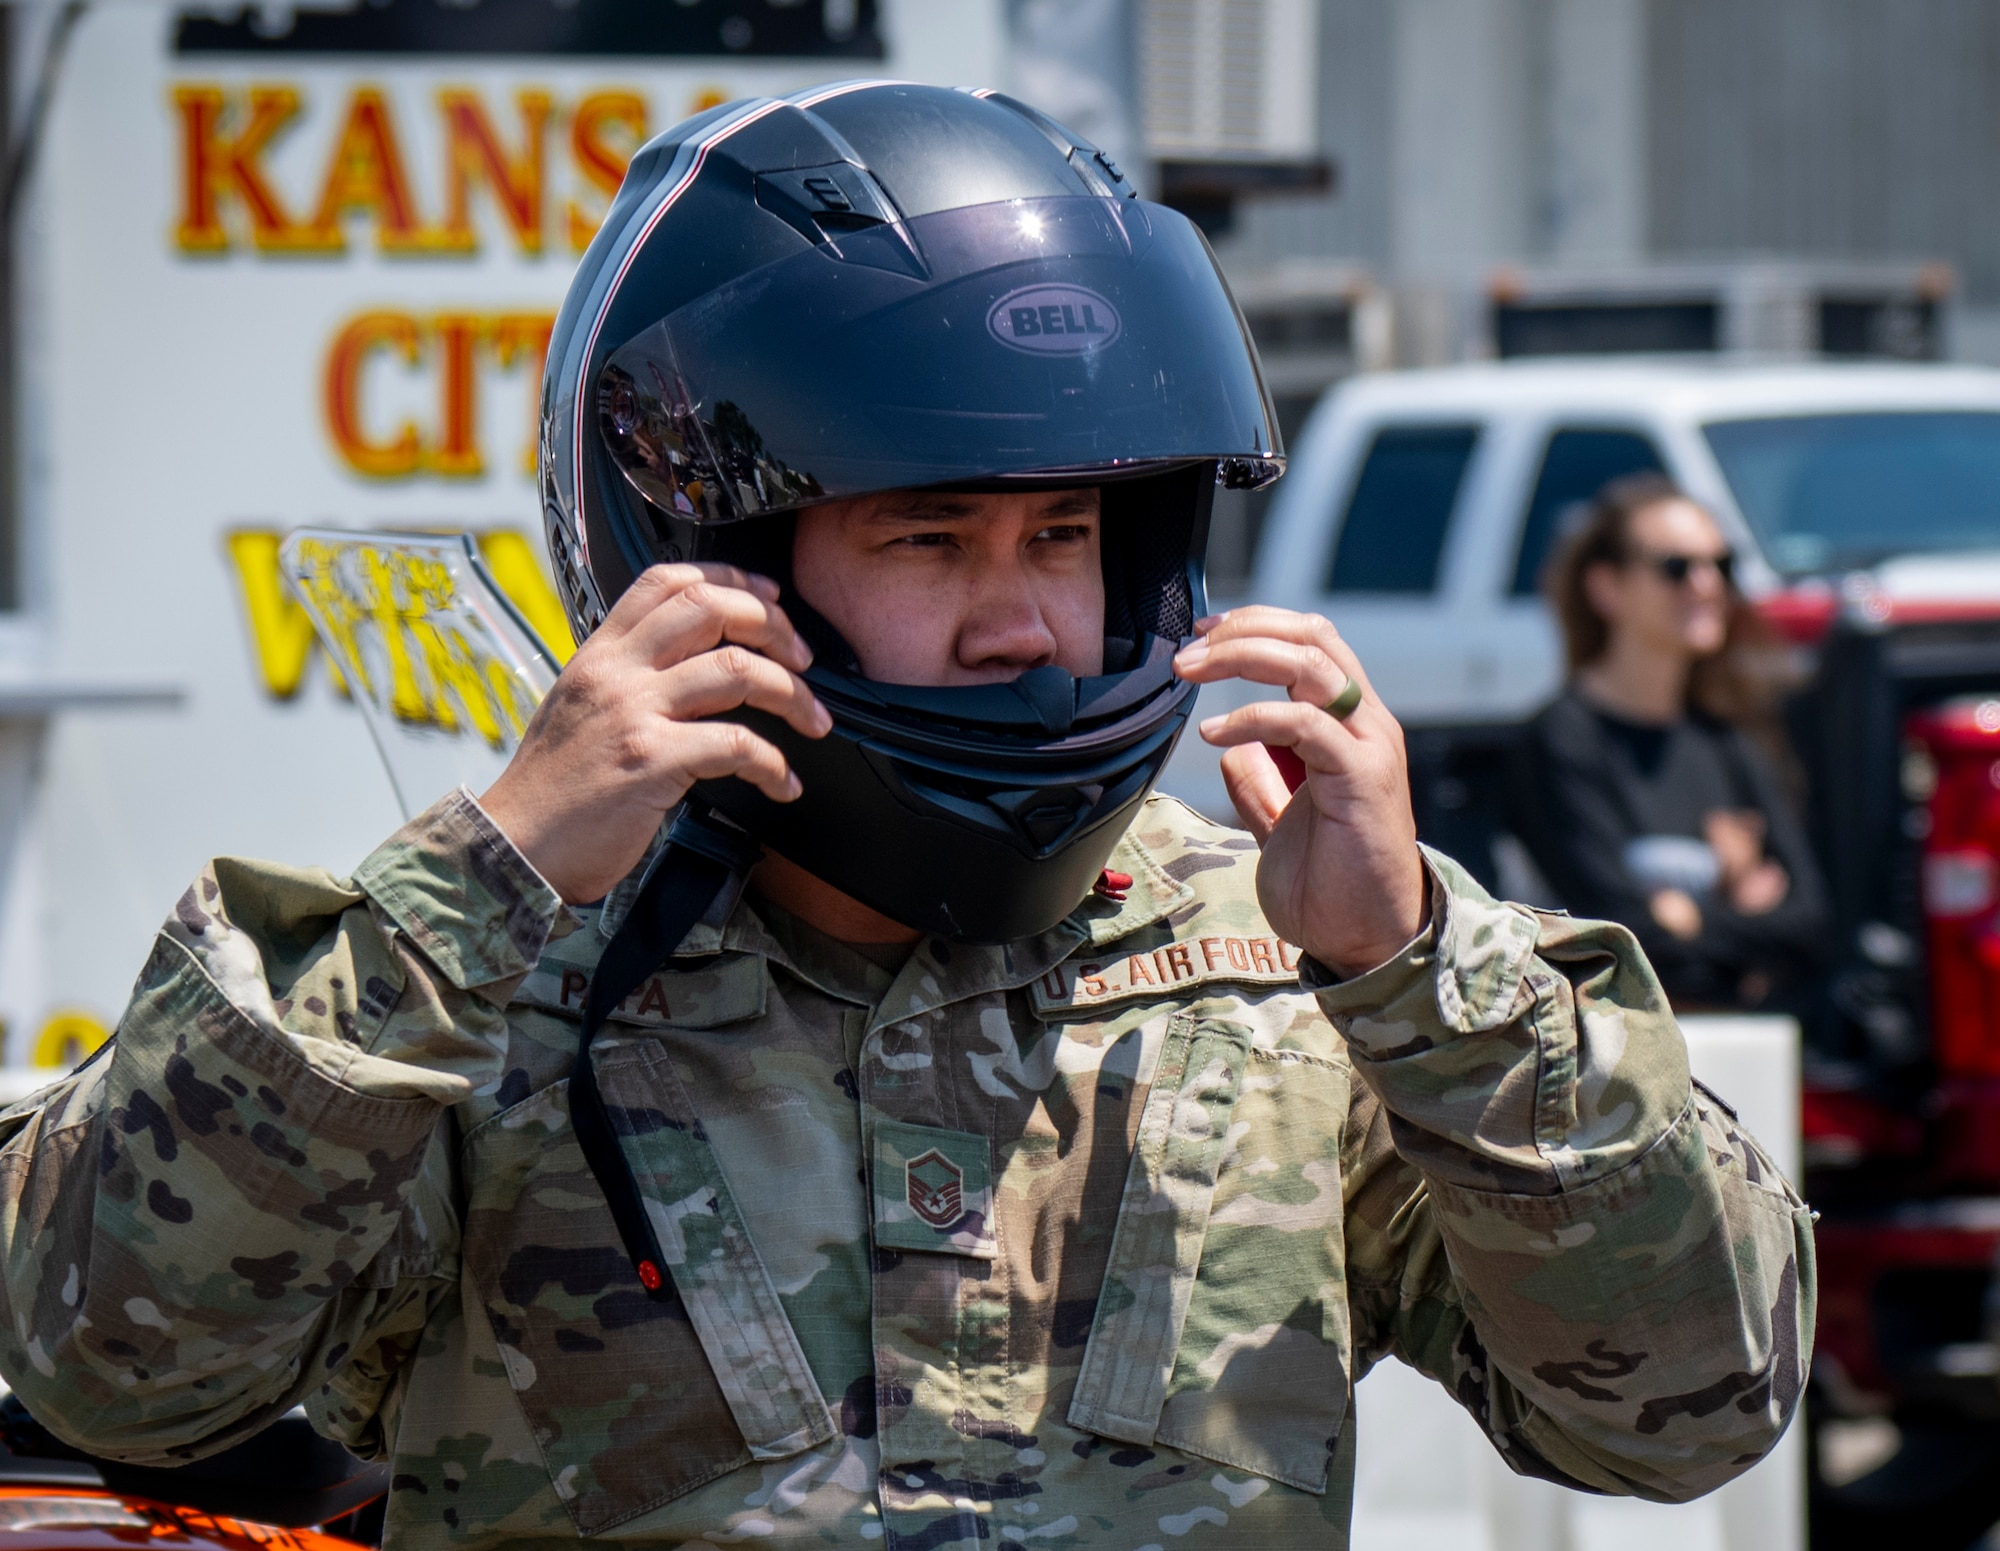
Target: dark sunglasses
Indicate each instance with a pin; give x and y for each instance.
(1676, 569)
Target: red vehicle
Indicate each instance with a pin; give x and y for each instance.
(1900, 733)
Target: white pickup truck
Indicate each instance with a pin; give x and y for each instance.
(1419, 507)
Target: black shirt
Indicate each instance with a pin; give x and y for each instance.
(1612, 811)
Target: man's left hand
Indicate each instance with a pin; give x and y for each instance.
(1341, 875)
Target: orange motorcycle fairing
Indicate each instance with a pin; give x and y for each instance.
(62, 1518)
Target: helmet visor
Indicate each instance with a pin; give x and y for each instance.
(1028, 337)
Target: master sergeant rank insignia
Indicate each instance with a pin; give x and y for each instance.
(932, 1190)
(934, 1184)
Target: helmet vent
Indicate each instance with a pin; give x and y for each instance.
(822, 202)
(1047, 817)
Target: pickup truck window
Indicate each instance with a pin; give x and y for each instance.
(1392, 536)
(1577, 463)
(1829, 492)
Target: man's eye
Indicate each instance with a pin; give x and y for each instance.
(925, 540)
(1066, 533)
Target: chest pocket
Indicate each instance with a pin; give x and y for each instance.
(632, 1401)
(1222, 1327)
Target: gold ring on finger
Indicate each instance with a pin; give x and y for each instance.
(1342, 705)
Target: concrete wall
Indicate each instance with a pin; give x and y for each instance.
(1838, 128)
(1475, 134)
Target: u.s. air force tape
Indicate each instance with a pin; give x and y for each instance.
(1172, 967)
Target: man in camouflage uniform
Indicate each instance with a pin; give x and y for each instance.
(1081, 1240)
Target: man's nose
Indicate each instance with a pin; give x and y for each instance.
(1005, 627)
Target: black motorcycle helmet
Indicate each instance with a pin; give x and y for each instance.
(880, 286)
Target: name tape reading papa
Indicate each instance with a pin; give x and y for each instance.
(563, 988)
(719, 992)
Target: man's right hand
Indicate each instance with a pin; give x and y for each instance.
(620, 739)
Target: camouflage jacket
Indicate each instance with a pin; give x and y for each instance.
(1149, 1194)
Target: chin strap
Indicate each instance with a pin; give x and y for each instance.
(705, 855)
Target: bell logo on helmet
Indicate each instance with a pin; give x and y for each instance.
(1054, 320)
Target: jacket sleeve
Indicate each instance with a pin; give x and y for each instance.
(245, 1201)
(1546, 1216)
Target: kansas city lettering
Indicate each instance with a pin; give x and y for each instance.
(1247, 960)
(458, 355)
(546, 169)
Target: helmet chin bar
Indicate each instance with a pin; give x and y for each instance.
(1037, 797)
(1037, 818)
(981, 813)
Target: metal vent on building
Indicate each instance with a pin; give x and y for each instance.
(1203, 69)
(1761, 307)
(1229, 100)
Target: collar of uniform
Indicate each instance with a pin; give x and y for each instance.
(755, 929)
(808, 954)
(734, 928)
(940, 973)
(1155, 893)
(616, 905)
(743, 932)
